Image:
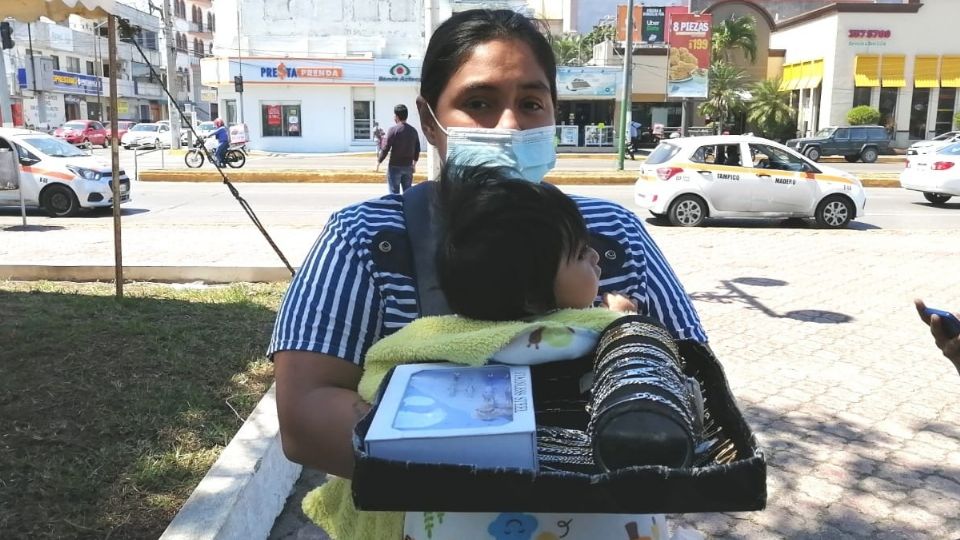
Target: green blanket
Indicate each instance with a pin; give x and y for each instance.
(450, 339)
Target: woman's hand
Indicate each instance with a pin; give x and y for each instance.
(949, 346)
(619, 302)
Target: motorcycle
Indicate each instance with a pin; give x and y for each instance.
(206, 149)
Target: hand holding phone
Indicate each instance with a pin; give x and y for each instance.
(949, 322)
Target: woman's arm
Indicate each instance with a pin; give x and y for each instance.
(318, 406)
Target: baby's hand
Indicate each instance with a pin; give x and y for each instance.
(619, 302)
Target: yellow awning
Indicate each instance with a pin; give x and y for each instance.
(950, 72)
(812, 74)
(866, 70)
(790, 77)
(925, 72)
(892, 71)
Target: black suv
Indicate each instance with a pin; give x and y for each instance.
(853, 143)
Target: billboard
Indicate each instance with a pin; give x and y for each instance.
(622, 22)
(652, 25)
(689, 59)
(587, 82)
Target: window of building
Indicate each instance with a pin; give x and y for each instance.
(106, 69)
(281, 119)
(946, 104)
(230, 108)
(861, 95)
(918, 113)
(211, 21)
(888, 108)
(90, 68)
(362, 119)
(56, 61)
(73, 64)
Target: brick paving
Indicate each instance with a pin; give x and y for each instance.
(857, 412)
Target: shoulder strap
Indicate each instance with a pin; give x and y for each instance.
(423, 230)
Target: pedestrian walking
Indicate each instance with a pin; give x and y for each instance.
(634, 137)
(403, 145)
(378, 134)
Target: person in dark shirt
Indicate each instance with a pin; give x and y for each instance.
(403, 145)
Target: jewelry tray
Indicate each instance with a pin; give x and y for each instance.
(734, 479)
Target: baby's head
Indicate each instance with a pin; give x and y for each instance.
(512, 248)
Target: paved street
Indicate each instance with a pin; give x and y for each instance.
(156, 160)
(309, 205)
(857, 412)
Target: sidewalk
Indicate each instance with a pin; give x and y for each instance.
(856, 410)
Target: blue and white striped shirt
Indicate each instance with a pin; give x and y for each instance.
(339, 303)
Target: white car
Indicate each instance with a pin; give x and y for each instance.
(153, 135)
(937, 175)
(689, 179)
(934, 144)
(56, 176)
(203, 129)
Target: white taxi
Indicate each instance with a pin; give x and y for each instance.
(56, 176)
(689, 179)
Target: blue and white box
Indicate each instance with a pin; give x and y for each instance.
(455, 414)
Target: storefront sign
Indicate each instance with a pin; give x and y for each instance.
(75, 83)
(689, 59)
(652, 25)
(208, 95)
(587, 81)
(123, 107)
(274, 115)
(282, 71)
(868, 38)
(396, 71)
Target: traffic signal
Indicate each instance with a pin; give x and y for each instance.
(238, 84)
(6, 35)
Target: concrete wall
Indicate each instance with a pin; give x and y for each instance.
(757, 70)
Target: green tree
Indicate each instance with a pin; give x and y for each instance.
(735, 33)
(725, 95)
(599, 34)
(956, 121)
(863, 115)
(769, 109)
(568, 49)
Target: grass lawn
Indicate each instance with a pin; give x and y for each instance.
(111, 412)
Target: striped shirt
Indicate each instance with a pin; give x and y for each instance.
(339, 303)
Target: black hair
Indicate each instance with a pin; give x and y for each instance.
(503, 242)
(456, 37)
(401, 112)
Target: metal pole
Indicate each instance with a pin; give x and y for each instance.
(41, 102)
(173, 82)
(627, 87)
(99, 72)
(115, 154)
(239, 67)
(5, 92)
(23, 207)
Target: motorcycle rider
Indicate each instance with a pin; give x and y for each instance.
(223, 138)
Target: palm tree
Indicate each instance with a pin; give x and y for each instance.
(735, 33)
(769, 108)
(567, 49)
(725, 95)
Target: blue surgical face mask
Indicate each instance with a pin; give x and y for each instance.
(531, 152)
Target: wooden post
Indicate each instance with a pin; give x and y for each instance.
(115, 154)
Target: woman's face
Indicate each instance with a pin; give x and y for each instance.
(499, 85)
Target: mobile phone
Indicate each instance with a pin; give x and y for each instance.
(950, 323)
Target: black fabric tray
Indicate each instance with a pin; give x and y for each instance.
(735, 480)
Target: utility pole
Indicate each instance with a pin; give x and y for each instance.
(173, 83)
(40, 97)
(627, 87)
(4, 85)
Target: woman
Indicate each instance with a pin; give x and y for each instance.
(482, 70)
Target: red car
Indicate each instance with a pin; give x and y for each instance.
(82, 133)
(122, 127)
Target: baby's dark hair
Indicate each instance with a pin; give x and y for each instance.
(504, 240)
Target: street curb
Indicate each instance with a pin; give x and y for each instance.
(246, 489)
(165, 274)
(368, 177)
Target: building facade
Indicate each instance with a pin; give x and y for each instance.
(59, 72)
(317, 75)
(897, 58)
